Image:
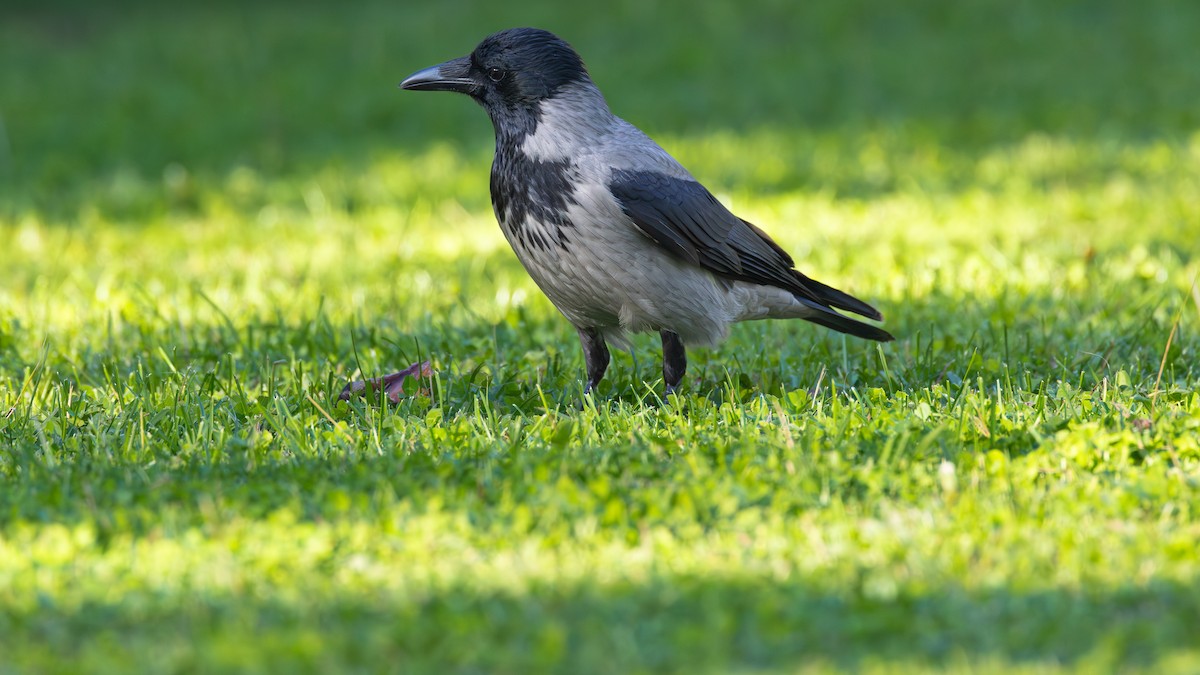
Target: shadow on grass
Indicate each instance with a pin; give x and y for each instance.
(666, 624)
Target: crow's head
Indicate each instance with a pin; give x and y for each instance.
(509, 73)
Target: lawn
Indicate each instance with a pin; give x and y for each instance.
(213, 216)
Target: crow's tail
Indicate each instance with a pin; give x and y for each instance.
(843, 324)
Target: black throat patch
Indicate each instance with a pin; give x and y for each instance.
(531, 196)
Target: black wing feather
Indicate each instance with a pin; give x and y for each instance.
(687, 220)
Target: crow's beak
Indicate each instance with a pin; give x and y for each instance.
(450, 76)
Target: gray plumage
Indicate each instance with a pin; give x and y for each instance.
(617, 234)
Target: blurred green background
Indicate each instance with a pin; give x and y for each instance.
(289, 89)
(214, 214)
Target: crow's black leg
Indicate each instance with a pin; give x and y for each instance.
(674, 360)
(595, 355)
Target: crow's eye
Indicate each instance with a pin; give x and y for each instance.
(496, 74)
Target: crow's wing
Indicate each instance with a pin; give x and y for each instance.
(683, 217)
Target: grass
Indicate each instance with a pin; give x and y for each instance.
(212, 217)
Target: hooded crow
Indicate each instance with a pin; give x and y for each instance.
(617, 234)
